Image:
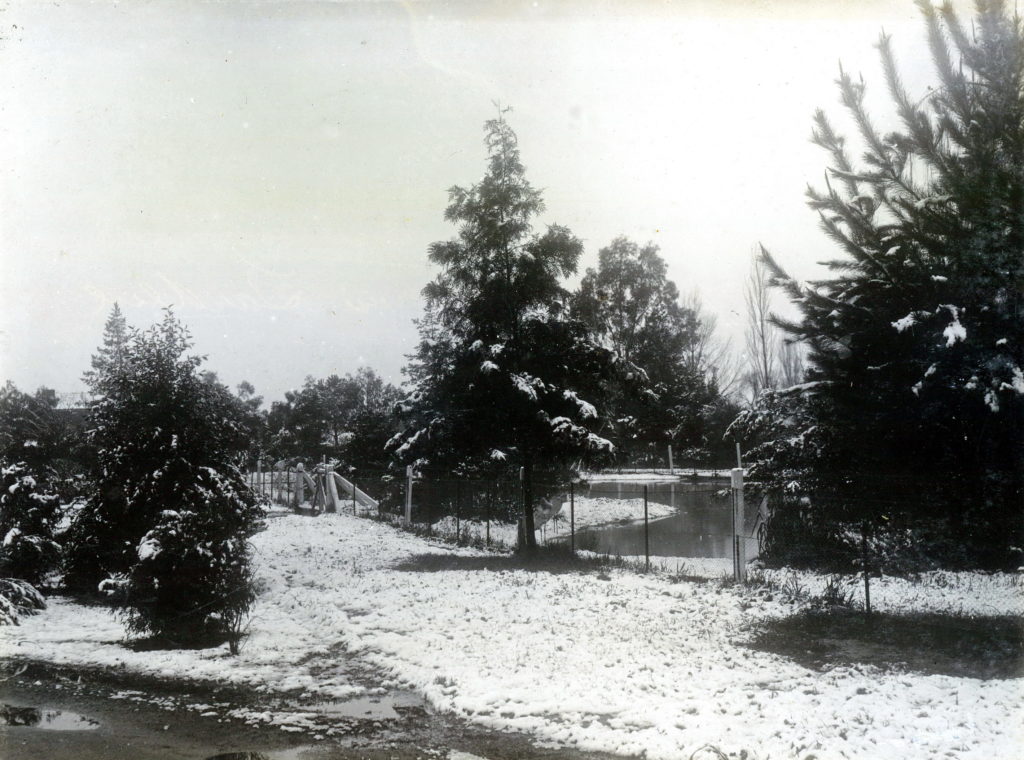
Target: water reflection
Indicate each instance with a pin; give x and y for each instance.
(48, 720)
(701, 527)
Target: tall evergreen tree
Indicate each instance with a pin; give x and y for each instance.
(917, 342)
(502, 377)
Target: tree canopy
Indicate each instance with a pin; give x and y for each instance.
(916, 342)
(665, 395)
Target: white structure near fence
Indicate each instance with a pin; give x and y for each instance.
(320, 489)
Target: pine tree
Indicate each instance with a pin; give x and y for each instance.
(917, 341)
(502, 375)
(110, 355)
(170, 513)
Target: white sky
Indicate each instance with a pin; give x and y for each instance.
(276, 171)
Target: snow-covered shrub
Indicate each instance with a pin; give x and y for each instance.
(170, 511)
(192, 582)
(28, 518)
(17, 598)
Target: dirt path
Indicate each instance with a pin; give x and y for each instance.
(90, 715)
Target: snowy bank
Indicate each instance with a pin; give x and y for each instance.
(611, 661)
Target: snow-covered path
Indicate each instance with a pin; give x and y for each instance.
(617, 662)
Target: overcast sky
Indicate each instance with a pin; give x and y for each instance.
(276, 170)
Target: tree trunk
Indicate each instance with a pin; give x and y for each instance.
(529, 532)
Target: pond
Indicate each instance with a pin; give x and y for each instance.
(701, 526)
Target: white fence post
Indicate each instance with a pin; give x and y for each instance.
(739, 543)
(408, 495)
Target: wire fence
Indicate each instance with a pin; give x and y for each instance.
(689, 525)
(698, 524)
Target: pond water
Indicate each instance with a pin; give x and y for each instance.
(47, 720)
(701, 527)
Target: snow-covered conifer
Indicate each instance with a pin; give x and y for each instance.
(917, 340)
(500, 365)
(170, 509)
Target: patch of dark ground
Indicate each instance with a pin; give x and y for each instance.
(143, 718)
(554, 559)
(932, 644)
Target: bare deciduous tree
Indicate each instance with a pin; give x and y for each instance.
(762, 338)
(707, 353)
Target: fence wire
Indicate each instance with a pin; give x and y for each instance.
(681, 524)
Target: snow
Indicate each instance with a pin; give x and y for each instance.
(905, 322)
(653, 476)
(524, 386)
(1017, 383)
(604, 511)
(617, 662)
(955, 331)
(149, 548)
(992, 400)
(587, 410)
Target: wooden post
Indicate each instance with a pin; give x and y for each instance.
(647, 544)
(458, 515)
(864, 561)
(671, 467)
(572, 517)
(321, 482)
(332, 491)
(408, 495)
(739, 562)
(300, 485)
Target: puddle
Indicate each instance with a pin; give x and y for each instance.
(295, 753)
(390, 707)
(47, 720)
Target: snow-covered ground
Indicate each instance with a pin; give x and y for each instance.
(653, 476)
(612, 661)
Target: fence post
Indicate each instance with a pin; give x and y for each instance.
(671, 467)
(572, 517)
(647, 544)
(321, 481)
(739, 565)
(458, 514)
(490, 498)
(864, 562)
(408, 495)
(300, 485)
(355, 511)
